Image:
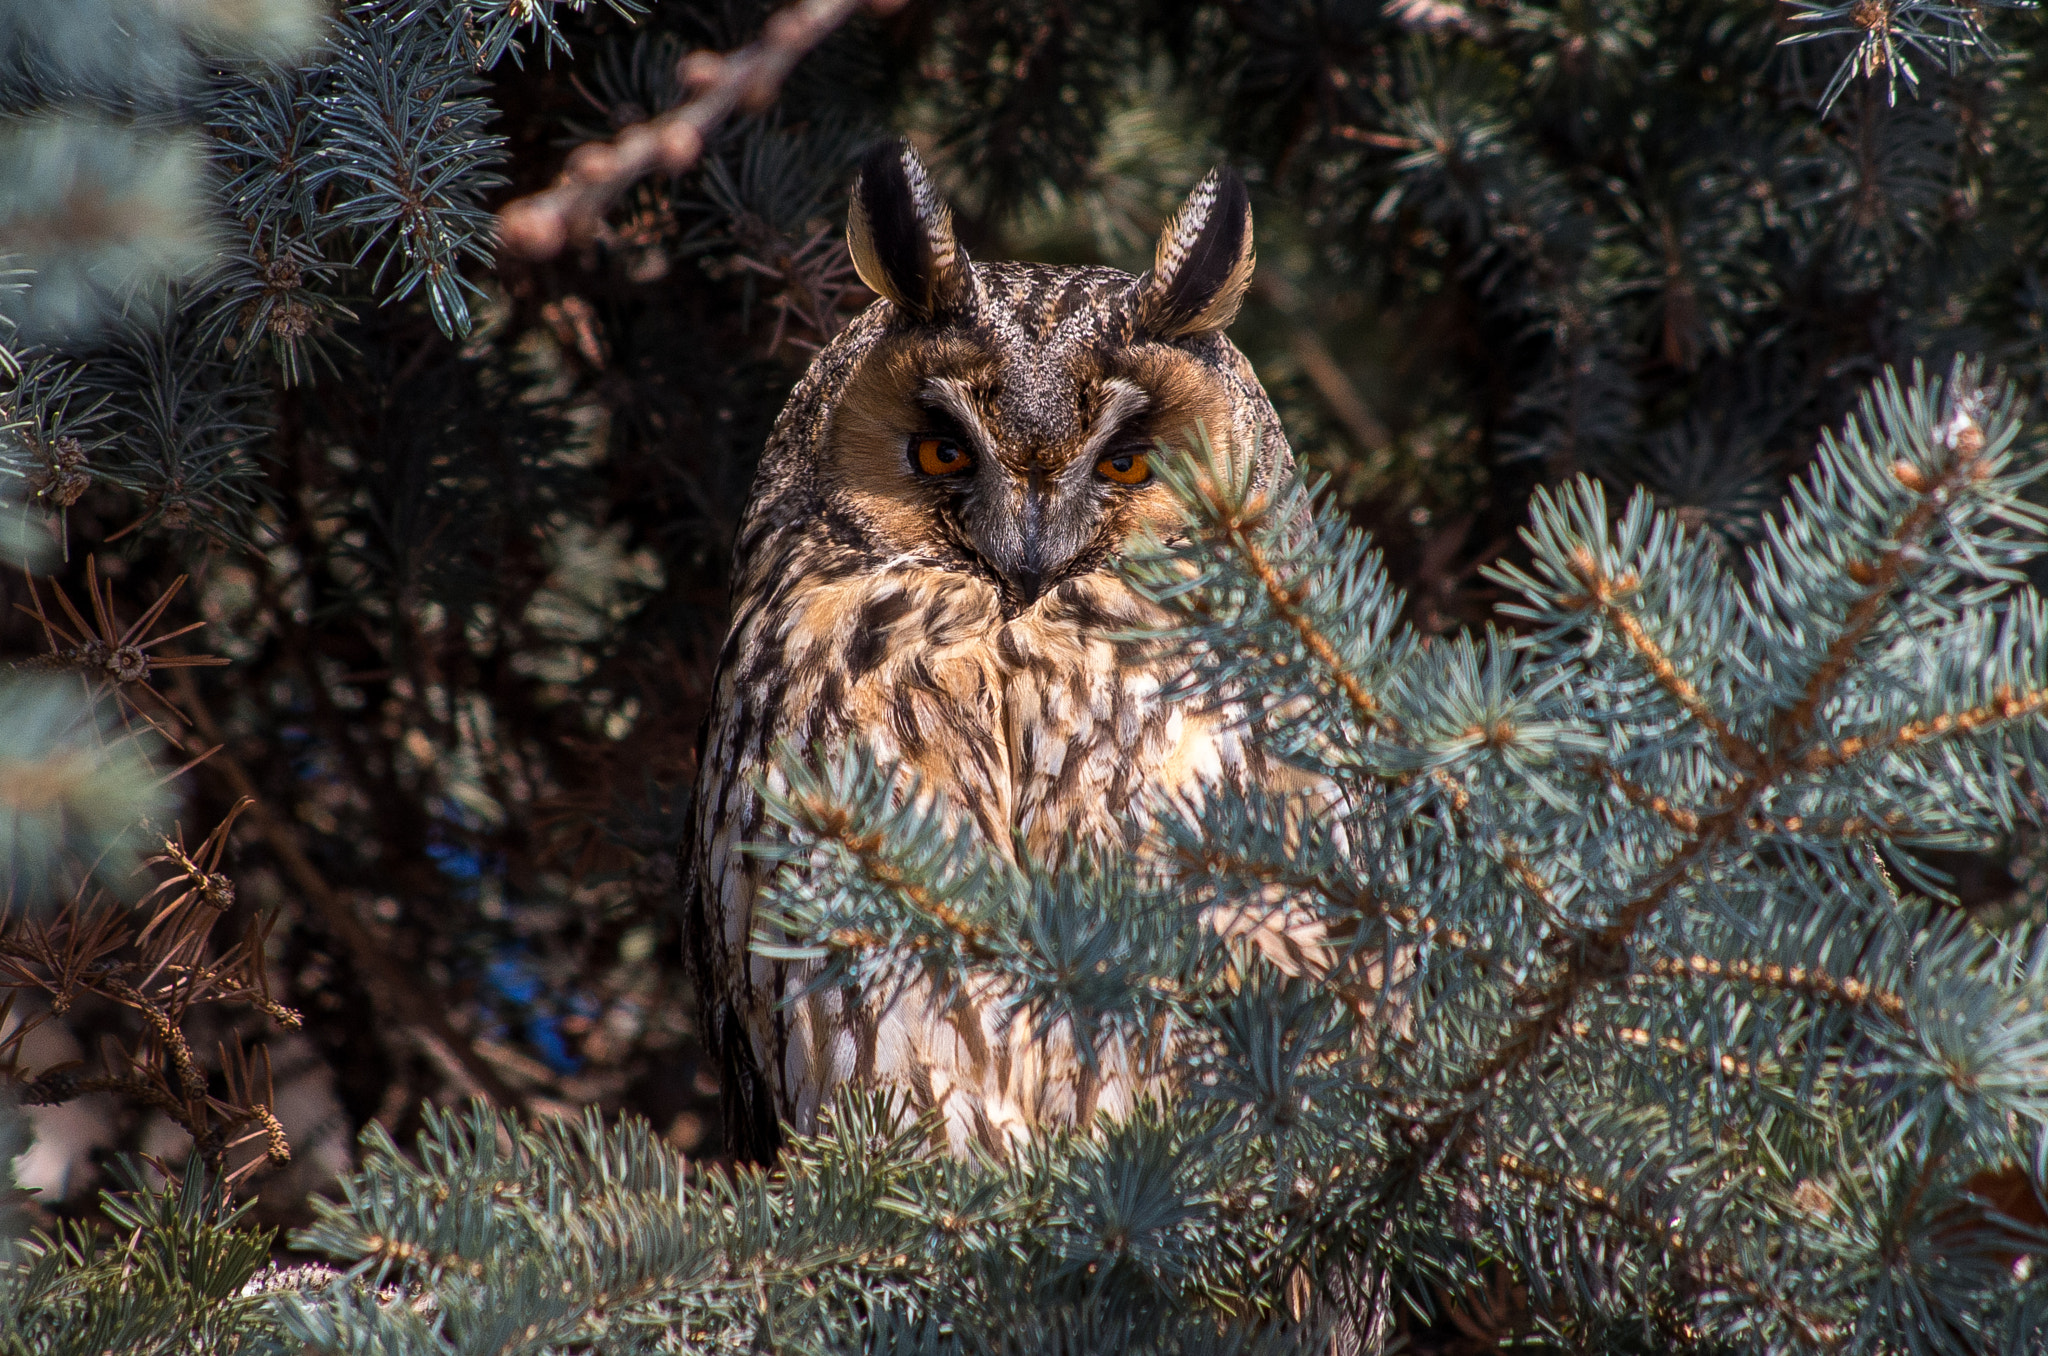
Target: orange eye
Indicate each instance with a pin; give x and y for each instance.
(939, 456)
(1125, 468)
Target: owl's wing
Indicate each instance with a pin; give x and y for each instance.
(719, 886)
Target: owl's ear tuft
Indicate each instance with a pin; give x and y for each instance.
(1203, 264)
(900, 234)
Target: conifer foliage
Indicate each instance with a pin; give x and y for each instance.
(1658, 618)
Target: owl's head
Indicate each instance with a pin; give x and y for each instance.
(1005, 419)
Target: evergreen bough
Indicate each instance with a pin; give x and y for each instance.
(1643, 999)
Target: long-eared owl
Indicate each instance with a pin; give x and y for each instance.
(928, 566)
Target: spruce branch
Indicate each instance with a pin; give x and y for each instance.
(1705, 1267)
(1241, 521)
(909, 853)
(411, 160)
(832, 824)
(1643, 798)
(2007, 706)
(1888, 33)
(1597, 956)
(1605, 595)
(1962, 439)
(1796, 979)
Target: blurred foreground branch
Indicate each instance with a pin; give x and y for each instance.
(597, 172)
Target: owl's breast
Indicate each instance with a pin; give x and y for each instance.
(1099, 733)
(1058, 722)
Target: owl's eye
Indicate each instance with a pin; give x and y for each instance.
(939, 456)
(1125, 468)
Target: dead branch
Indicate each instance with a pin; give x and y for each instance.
(159, 974)
(572, 209)
(1321, 367)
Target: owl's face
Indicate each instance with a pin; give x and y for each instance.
(1020, 442)
(1007, 420)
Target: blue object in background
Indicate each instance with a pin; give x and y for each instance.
(514, 979)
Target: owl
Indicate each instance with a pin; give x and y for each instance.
(927, 567)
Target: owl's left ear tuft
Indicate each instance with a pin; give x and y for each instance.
(1203, 264)
(900, 234)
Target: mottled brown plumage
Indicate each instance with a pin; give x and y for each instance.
(961, 621)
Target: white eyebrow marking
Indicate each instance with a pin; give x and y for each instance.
(1126, 398)
(956, 398)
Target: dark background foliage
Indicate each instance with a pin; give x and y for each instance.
(462, 527)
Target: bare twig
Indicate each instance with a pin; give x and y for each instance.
(573, 208)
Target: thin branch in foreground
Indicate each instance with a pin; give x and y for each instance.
(1806, 981)
(572, 209)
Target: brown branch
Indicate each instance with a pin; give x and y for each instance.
(1606, 594)
(572, 209)
(1386, 141)
(1320, 365)
(1685, 821)
(1287, 603)
(2005, 705)
(1855, 826)
(1688, 821)
(59, 1086)
(401, 999)
(167, 1035)
(831, 821)
(1525, 875)
(1798, 979)
(1966, 439)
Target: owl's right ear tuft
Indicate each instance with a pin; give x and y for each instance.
(900, 234)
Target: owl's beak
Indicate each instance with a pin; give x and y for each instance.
(1029, 524)
(1027, 539)
(1028, 572)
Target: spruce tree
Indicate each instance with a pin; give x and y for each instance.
(1682, 364)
